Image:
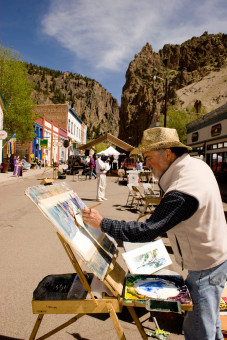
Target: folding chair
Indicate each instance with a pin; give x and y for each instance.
(153, 180)
(130, 194)
(148, 190)
(137, 197)
(151, 202)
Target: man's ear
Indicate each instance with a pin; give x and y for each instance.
(167, 153)
(170, 155)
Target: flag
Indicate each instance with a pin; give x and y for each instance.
(12, 145)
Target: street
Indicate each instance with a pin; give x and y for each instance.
(31, 250)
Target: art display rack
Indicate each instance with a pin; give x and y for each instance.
(114, 281)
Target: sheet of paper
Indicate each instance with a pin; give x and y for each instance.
(147, 259)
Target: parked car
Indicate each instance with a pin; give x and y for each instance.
(129, 163)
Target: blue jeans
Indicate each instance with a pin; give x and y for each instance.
(205, 287)
(92, 173)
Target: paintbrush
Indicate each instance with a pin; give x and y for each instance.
(94, 206)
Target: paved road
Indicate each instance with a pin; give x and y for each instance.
(30, 250)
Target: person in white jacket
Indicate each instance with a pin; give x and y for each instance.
(102, 166)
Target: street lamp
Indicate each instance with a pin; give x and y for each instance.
(166, 97)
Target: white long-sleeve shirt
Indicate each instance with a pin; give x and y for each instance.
(101, 167)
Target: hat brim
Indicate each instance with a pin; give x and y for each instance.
(158, 146)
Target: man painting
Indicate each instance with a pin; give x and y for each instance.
(191, 213)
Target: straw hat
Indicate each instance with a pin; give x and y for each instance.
(159, 138)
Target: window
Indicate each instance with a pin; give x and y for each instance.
(216, 130)
(195, 136)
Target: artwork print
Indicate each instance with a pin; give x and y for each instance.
(62, 206)
(147, 259)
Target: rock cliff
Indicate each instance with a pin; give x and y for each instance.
(93, 104)
(175, 71)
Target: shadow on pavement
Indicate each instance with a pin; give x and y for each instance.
(77, 336)
(3, 337)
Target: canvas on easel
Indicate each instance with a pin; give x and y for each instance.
(62, 206)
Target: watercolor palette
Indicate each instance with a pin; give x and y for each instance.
(139, 288)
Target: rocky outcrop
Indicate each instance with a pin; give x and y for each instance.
(93, 104)
(193, 73)
(143, 97)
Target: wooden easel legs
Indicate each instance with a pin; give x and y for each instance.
(36, 327)
(137, 322)
(55, 330)
(112, 313)
(113, 316)
(116, 323)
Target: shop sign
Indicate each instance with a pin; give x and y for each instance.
(66, 143)
(43, 143)
(3, 134)
(57, 143)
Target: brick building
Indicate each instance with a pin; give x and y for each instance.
(64, 116)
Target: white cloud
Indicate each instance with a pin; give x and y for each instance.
(106, 33)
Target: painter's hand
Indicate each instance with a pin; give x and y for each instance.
(92, 217)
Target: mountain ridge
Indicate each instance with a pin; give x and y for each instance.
(196, 72)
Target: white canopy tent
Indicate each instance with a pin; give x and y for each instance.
(109, 152)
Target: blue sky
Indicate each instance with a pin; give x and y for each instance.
(99, 38)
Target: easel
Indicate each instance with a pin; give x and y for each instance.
(113, 280)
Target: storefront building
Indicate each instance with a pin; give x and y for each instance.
(35, 149)
(49, 141)
(207, 136)
(66, 118)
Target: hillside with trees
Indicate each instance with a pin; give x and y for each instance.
(93, 104)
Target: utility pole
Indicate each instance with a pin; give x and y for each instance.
(166, 97)
(166, 100)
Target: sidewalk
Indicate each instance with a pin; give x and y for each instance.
(7, 178)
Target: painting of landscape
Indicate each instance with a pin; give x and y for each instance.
(62, 206)
(147, 259)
